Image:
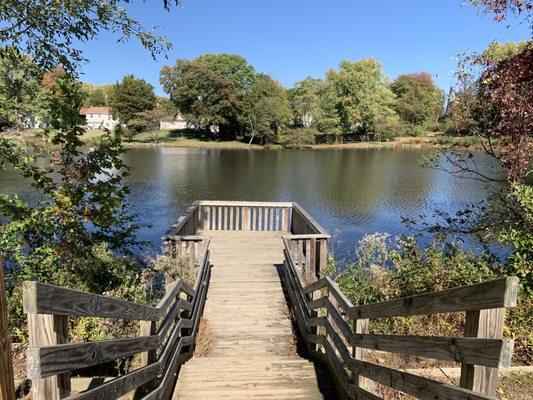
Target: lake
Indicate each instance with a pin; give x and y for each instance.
(350, 192)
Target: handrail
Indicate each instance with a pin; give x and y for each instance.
(51, 358)
(343, 332)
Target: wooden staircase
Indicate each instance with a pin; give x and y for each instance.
(253, 354)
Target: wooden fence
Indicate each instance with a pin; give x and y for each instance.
(166, 340)
(337, 332)
(308, 237)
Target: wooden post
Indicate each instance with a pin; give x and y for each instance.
(322, 256)
(7, 383)
(487, 324)
(148, 328)
(359, 326)
(49, 330)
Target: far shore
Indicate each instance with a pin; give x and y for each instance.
(436, 140)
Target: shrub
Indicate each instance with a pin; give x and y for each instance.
(391, 268)
(299, 137)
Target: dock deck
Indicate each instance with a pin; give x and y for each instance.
(253, 352)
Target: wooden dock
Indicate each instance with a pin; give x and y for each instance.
(260, 286)
(253, 352)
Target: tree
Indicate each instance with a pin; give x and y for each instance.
(418, 99)
(210, 90)
(328, 119)
(131, 97)
(94, 95)
(49, 31)
(20, 92)
(305, 100)
(267, 109)
(363, 95)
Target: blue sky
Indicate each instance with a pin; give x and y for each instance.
(292, 39)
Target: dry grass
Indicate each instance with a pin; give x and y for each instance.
(204, 339)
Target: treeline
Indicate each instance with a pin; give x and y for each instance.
(24, 89)
(225, 91)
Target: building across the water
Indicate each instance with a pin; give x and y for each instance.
(176, 123)
(98, 118)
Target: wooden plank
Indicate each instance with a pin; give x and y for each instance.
(245, 203)
(246, 219)
(314, 227)
(483, 324)
(360, 327)
(182, 221)
(48, 330)
(306, 236)
(41, 298)
(337, 293)
(488, 352)
(499, 293)
(7, 383)
(413, 384)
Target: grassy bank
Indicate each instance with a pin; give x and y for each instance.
(176, 139)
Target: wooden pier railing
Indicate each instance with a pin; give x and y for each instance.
(336, 332)
(167, 334)
(308, 237)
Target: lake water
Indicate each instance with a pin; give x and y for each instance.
(349, 192)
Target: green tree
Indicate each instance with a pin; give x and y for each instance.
(364, 98)
(210, 90)
(21, 94)
(267, 109)
(130, 98)
(305, 100)
(328, 119)
(418, 99)
(51, 32)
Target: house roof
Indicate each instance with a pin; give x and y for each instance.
(94, 110)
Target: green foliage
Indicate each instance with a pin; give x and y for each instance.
(95, 95)
(305, 101)
(519, 234)
(58, 27)
(130, 98)
(207, 93)
(299, 137)
(418, 99)
(328, 120)
(267, 110)
(21, 94)
(388, 268)
(363, 94)
(82, 207)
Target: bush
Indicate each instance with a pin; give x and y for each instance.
(299, 137)
(391, 268)
(415, 130)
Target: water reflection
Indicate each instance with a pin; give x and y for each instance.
(350, 192)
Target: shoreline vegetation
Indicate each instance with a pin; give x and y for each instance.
(167, 138)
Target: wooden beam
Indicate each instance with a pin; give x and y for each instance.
(482, 324)
(479, 351)
(7, 384)
(491, 294)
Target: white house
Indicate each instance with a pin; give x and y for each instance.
(98, 118)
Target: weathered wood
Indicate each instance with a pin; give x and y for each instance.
(7, 385)
(41, 298)
(488, 352)
(413, 384)
(483, 324)
(360, 327)
(311, 226)
(492, 294)
(49, 330)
